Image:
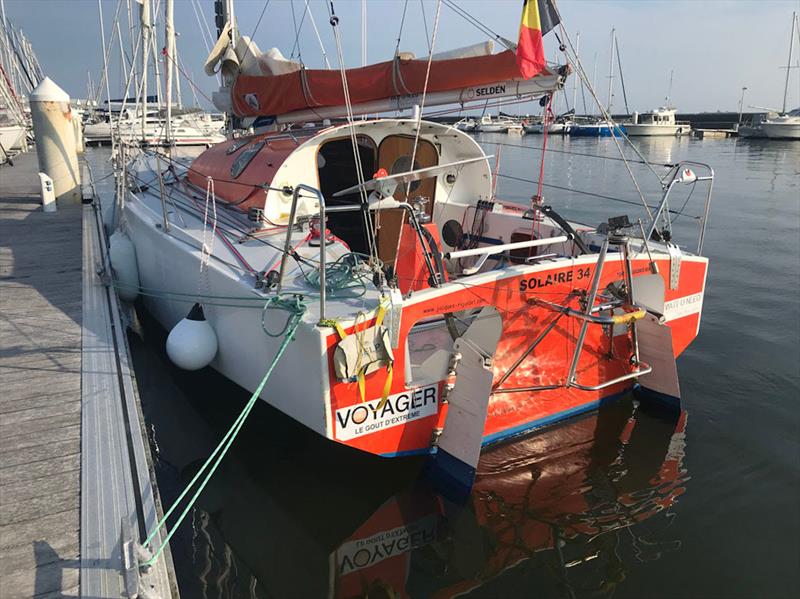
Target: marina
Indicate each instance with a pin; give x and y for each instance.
(410, 326)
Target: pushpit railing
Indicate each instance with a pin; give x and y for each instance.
(682, 174)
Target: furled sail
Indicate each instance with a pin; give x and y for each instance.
(299, 94)
(308, 89)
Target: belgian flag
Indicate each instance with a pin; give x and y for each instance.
(538, 17)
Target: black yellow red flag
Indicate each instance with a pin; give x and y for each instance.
(538, 17)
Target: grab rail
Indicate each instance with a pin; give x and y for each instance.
(486, 251)
(322, 243)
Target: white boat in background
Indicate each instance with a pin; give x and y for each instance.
(659, 122)
(556, 128)
(784, 126)
(774, 126)
(490, 124)
(465, 124)
(515, 128)
(12, 137)
(190, 129)
(778, 124)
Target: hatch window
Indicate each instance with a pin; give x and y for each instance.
(244, 159)
(237, 145)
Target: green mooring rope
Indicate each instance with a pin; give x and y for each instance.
(296, 309)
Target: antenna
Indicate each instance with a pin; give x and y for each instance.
(668, 99)
(611, 70)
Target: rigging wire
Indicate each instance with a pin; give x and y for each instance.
(425, 24)
(203, 30)
(319, 39)
(622, 80)
(297, 32)
(369, 229)
(570, 152)
(418, 125)
(399, 33)
(480, 26)
(609, 122)
(261, 16)
(587, 193)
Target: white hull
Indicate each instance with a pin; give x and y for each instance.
(183, 133)
(655, 130)
(780, 130)
(555, 128)
(170, 262)
(11, 137)
(493, 128)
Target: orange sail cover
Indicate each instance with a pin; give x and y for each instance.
(308, 89)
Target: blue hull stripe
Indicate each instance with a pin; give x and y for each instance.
(522, 428)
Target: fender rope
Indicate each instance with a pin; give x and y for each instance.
(297, 308)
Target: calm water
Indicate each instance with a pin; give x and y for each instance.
(619, 503)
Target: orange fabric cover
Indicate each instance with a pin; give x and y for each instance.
(316, 88)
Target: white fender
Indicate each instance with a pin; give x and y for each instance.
(123, 261)
(192, 343)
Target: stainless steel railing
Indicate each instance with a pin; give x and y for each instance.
(679, 175)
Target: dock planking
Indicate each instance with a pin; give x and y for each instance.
(76, 489)
(40, 389)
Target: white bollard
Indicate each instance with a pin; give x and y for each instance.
(77, 127)
(55, 139)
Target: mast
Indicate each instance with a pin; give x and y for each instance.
(611, 70)
(122, 60)
(789, 62)
(363, 33)
(669, 91)
(5, 55)
(622, 82)
(232, 21)
(178, 96)
(144, 26)
(105, 63)
(169, 44)
(594, 78)
(576, 78)
(132, 42)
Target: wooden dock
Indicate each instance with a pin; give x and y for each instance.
(76, 489)
(715, 133)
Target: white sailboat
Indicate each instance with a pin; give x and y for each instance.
(149, 125)
(778, 124)
(189, 129)
(372, 308)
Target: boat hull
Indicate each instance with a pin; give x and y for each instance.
(304, 383)
(637, 130)
(491, 128)
(780, 130)
(11, 137)
(596, 130)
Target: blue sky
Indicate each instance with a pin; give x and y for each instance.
(714, 47)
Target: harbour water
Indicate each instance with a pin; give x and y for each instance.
(620, 503)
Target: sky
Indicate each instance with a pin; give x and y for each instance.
(714, 48)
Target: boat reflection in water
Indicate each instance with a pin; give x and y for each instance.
(561, 509)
